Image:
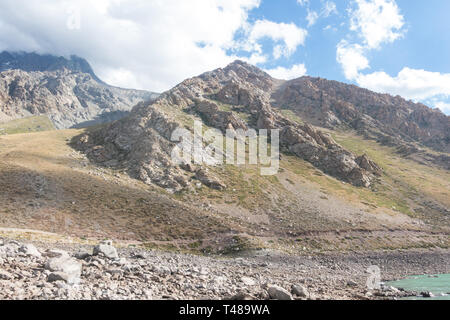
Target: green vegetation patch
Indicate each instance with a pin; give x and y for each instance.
(26, 125)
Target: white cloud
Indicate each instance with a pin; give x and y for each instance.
(352, 59)
(329, 8)
(149, 44)
(294, 72)
(303, 2)
(312, 17)
(443, 106)
(377, 21)
(287, 36)
(410, 83)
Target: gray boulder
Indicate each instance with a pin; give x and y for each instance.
(105, 248)
(64, 268)
(30, 250)
(56, 253)
(300, 291)
(248, 281)
(10, 249)
(4, 275)
(83, 254)
(427, 294)
(278, 293)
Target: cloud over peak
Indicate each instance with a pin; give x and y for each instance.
(149, 44)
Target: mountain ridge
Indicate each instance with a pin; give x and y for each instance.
(66, 90)
(142, 144)
(352, 104)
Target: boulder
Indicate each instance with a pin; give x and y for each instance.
(105, 248)
(83, 254)
(30, 250)
(64, 268)
(209, 180)
(55, 253)
(248, 281)
(278, 293)
(4, 275)
(352, 283)
(427, 294)
(10, 249)
(300, 291)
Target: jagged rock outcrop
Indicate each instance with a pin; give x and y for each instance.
(66, 90)
(236, 97)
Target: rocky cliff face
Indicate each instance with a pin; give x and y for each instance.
(391, 120)
(236, 97)
(66, 90)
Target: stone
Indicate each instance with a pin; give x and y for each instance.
(278, 293)
(248, 281)
(427, 294)
(205, 177)
(83, 254)
(10, 249)
(64, 268)
(300, 291)
(30, 250)
(352, 283)
(4, 275)
(107, 250)
(58, 276)
(240, 296)
(55, 253)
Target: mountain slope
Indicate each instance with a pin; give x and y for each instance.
(391, 120)
(308, 207)
(237, 97)
(66, 90)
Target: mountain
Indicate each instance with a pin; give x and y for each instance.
(338, 189)
(242, 96)
(391, 120)
(237, 97)
(36, 62)
(66, 90)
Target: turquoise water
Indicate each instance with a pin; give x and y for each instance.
(437, 285)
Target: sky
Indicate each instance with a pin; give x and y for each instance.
(401, 47)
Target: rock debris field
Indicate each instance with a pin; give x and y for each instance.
(103, 272)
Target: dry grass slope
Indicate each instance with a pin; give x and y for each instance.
(46, 185)
(30, 124)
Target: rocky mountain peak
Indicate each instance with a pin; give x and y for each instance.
(36, 62)
(64, 89)
(246, 70)
(235, 97)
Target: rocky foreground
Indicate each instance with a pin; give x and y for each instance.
(105, 272)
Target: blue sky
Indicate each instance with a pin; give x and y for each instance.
(423, 42)
(389, 46)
